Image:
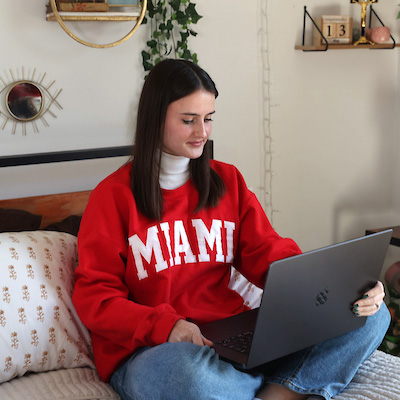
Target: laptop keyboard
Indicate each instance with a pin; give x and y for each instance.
(240, 343)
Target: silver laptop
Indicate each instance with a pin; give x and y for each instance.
(307, 299)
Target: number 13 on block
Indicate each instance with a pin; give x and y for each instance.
(337, 29)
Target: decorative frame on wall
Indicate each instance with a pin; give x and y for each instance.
(25, 99)
(118, 15)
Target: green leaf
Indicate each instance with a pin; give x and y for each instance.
(147, 65)
(145, 56)
(159, 8)
(186, 55)
(181, 18)
(184, 36)
(191, 11)
(181, 45)
(175, 4)
(151, 8)
(152, 43)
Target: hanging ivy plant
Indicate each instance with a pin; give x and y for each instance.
(171, 26)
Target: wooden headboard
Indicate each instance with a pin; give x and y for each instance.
(53, 207)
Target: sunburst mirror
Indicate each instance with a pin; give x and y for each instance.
(25, 99)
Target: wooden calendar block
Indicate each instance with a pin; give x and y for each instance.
(337, 29)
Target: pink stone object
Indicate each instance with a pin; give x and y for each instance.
(378, 35)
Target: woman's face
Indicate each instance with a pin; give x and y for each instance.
(188, 124)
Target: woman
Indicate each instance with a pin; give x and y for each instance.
(156, 245)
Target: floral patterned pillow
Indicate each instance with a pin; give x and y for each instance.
(39, 327)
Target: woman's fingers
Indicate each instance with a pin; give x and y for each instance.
(371, 301)
(207, 342)
(185, 331)
(377, 290)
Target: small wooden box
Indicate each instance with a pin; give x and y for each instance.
(80, 6)
(83, 7)
(337, 29)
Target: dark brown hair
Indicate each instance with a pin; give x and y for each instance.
(168, 81)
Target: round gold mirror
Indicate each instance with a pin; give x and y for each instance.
(24, 101)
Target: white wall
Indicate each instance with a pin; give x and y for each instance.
(100, 89)
(314, 134)
(333, 129)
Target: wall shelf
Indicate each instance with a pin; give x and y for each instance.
(94, 16)
(330, 46)
(137, 15)
(346, 47)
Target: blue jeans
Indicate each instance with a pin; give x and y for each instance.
(177, 371)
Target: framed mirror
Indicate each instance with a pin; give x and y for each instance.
(24, 101)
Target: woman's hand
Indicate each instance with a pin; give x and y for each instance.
(185, 331)
(371, 302)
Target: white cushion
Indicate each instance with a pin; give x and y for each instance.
(39, 327)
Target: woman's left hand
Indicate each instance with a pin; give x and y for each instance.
(371, 301)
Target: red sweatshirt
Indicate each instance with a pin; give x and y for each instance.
(137, 277)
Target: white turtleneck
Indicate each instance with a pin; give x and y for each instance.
(174, 171)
